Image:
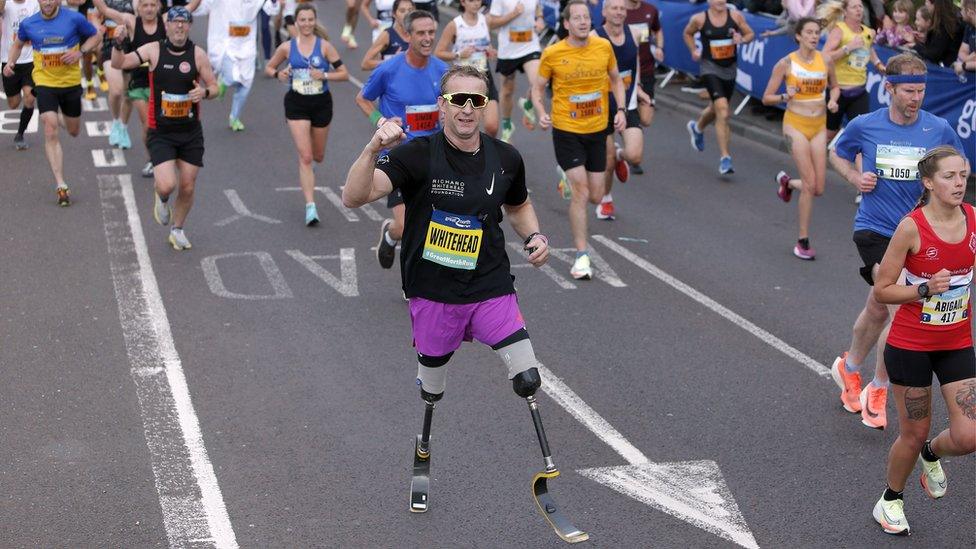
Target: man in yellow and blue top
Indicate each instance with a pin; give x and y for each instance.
(582, 69)
(60, 38)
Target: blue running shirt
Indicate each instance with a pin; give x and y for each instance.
(408, 92)
(51, 39)
(892, 151)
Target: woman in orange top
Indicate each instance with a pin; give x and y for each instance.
(807, 75)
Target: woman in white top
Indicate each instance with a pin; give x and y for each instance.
(466, 41)
(20, 84)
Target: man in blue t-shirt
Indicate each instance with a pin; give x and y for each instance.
(890, 142)
(60, 38)
(404, 89)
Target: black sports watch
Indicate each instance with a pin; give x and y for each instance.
(923, 289)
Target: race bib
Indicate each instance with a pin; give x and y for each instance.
(453, 240)
(303, 83)
(422, 118)
(175, 105)
(585, 105)
(810, 82)
(949, 307)
(858, 58)
(628, 77)
(722, 49)
(641, 31)
(898, 162)
(520, 34)
(51, 57)
(478, 60)
(239, 29)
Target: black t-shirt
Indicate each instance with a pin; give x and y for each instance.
(453, 247)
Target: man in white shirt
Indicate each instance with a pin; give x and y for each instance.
(519, 23)
(20, 84)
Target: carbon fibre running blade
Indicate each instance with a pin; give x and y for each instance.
(553, 514)
(420, 482)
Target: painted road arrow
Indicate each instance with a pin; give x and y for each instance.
(693, 491)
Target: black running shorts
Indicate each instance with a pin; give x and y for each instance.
(507, 67)
(168, 145)
(915, 368)
(849, 106)
(66, 100)
(580, 149)
(871, 246)
(22, 78)
(315, 108)
(718, 87)
(633, 121)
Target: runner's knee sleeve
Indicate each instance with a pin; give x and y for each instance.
(520, 358)
(431, 376)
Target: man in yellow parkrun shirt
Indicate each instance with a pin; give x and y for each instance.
(59, 38)
(582, 68)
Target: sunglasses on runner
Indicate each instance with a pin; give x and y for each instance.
(460, 99)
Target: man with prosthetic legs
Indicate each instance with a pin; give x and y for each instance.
(456, 183)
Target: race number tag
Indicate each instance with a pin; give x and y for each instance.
(239, 29)
(811, 82)
(949, 307)
(175, 105)
(641, 31)
(453, 240)
(722, 49)
(303, 83)
(585, 105)
(422, 118)
(898, 162)
(520, 34)
(478, 60)
(51, 57)
(858, 58)
(627, 76)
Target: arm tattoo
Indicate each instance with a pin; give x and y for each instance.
(966, 398)
(918, 400)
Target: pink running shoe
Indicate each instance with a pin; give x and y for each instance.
(784, 192)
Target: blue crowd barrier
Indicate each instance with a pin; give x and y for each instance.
(945, 95)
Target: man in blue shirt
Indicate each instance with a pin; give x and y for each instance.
(404, 89)
(890, 142)
(60, 38)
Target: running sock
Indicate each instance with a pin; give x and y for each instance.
(851, 367)
(606, 198)
(879, 384)
(927, 453)
(581, 254)
(506, 123)
(164, 199)
(25, 118)
(527, 105)
(804, 243)
(891, 495)
(388, 239)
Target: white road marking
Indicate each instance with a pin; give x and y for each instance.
(357, 82)
(601, 269)
(192, 506)
(99, 128)
(242, 211)
(347, 284)
(279, 287)
(336, 201)
(98, 105)
(108, 158)
(716, 307)
(10, 122)
(693, 491)
(545, 269)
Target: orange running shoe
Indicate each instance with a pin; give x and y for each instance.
(849, 383)
(873, 400)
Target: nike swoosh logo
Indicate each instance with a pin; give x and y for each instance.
(491, 188)
(927, 129)
(890, 520)
(867, 408)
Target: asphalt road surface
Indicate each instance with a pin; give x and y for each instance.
(258, 390)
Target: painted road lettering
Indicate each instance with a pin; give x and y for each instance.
(242, 211)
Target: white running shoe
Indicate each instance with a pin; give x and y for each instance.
(161, 210)
(581, 268)
(178, 240)
(933, 478)
(891, 516)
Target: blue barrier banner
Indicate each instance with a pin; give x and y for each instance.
(945, 95)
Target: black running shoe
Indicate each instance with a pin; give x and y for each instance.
(636, 169)
(385, 253)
